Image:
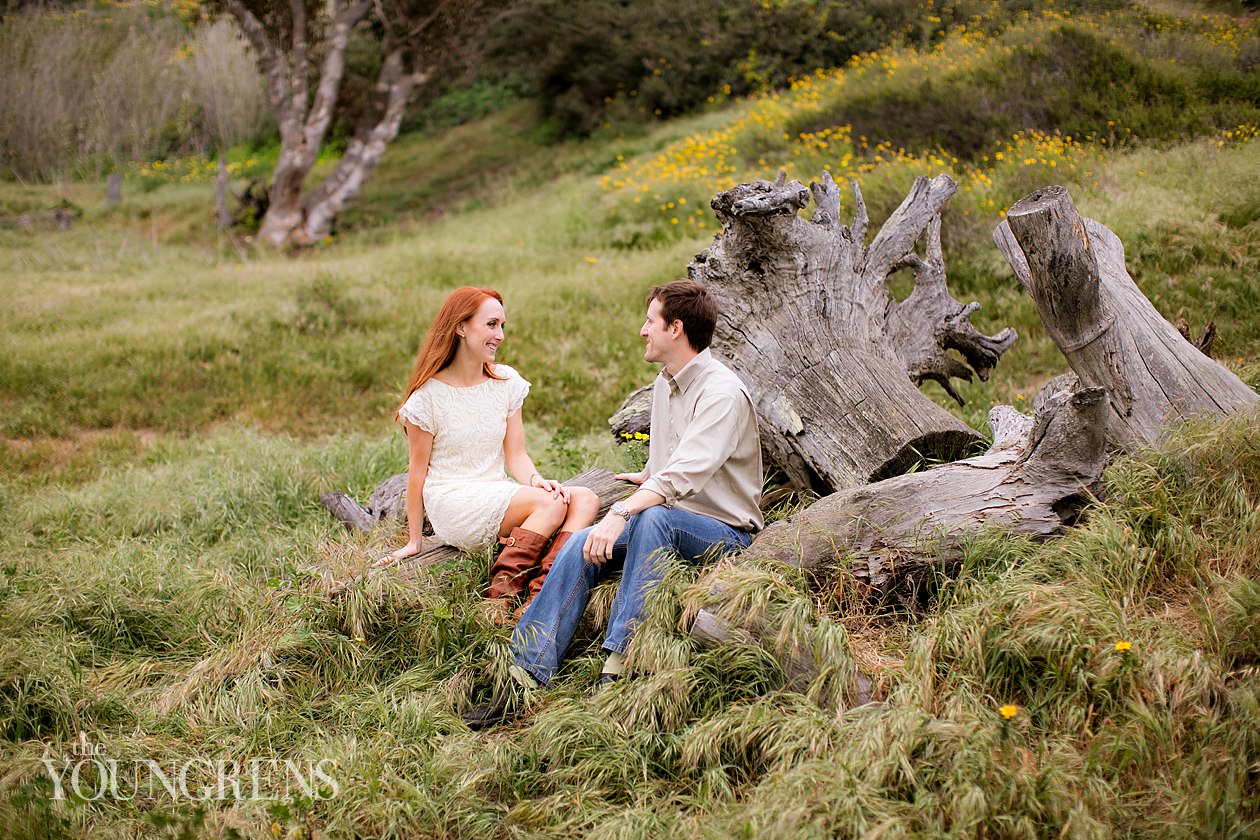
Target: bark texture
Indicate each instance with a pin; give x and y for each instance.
(830, 357)
(1112, 336)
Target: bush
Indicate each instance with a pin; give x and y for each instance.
(94, 88)
(660, 58)
(1072, 81)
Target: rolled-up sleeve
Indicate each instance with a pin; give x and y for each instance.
(708, 442)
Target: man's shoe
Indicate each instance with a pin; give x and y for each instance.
(501, 706)
(605, 679)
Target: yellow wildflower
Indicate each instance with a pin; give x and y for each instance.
(1124, 647)
(1008, 711)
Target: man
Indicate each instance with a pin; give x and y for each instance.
(699, 495)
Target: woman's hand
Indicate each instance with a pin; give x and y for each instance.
(633, 478)
(552, 486)
(411, 549)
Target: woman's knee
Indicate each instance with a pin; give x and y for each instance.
(553, 507)
(584, 501)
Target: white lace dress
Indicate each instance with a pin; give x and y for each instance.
(467, 490)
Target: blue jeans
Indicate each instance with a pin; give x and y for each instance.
(543, 634)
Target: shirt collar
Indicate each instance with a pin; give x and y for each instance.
(690, 372)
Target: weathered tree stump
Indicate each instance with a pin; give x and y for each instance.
(1111, 334)
(895, 535)
(830, 357)
(634, 416)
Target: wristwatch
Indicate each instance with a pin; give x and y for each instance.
(620, 509)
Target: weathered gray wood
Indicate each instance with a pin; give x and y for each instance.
(896, 534)
(634, 416)
(827, 353)
(388, 503)
(1109, 332)
(113, 188)
(930, 321)
(221, 213)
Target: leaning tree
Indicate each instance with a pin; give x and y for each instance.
(302, 48)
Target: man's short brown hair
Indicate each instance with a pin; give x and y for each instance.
(691, 303)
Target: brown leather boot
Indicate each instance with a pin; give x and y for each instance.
(519, 557)
(536, 582)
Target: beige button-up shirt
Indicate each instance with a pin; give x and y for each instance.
(705, 454)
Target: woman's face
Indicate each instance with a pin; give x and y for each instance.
(483, 332)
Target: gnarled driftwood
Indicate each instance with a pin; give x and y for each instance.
(1111, 334)
(830, 357)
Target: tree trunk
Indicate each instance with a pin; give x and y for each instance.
(830, 358)
(362, 154)
(1110, 333)
(895, 535)
(294, 218)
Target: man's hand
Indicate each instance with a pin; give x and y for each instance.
(633, 478)
(599, 544)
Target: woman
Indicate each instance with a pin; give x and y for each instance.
(462, 416)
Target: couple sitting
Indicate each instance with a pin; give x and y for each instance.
(699, 494)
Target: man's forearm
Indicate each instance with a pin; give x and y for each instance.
(642, 499)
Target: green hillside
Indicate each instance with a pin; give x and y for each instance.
(176, 400)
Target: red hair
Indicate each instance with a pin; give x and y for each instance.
(438, 349)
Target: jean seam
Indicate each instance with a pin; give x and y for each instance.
(551, 641)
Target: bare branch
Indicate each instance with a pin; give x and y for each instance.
(906, 224)
(826, 200)
(301, 60)
(332, 71)
(268, 56)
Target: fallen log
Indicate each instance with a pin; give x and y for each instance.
(388, 503)
(895, 535)
(1111, 335)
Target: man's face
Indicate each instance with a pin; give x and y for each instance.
(657, 334)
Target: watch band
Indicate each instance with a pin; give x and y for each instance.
(620, 509)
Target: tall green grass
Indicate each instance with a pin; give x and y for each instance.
(168, 610)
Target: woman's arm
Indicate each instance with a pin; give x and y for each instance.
(419, 447)
(520, 465)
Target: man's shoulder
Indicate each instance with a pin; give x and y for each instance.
(720, 379)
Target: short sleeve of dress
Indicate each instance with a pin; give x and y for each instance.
(517, 388)
(418, 410)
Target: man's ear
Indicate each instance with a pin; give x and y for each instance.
(676, 328)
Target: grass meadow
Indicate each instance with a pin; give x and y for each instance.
(174, 402)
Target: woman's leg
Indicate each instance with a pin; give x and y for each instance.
(531, 517)
(534, 510)
(583, 507)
